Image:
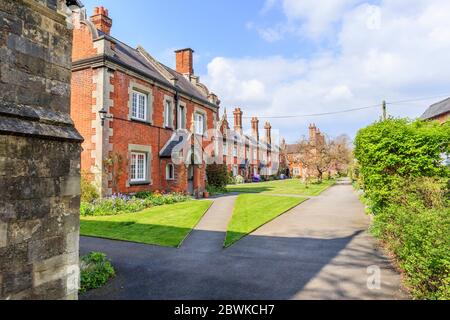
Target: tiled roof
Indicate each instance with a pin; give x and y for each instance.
(132, 57)
(166, 152)
(291, 148)
(437, 109)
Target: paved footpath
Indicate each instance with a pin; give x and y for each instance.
(318, 250)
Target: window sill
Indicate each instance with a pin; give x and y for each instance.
(141, 121)
(140, 183)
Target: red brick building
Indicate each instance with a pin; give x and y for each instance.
(132, 111)
(248, 155)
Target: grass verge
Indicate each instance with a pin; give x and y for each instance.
(251, 211)
(166, 225)
(288, 187)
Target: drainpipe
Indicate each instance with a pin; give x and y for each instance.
(176, 99)
(159, 158)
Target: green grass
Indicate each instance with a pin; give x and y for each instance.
(251, 211)
(288, 187)
(166, 225)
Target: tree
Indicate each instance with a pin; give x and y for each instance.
(324, 155)
(315, 157)
(217, 175)
(341, 153)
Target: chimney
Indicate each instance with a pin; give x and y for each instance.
(101, 20)
(255, 128)
(312, 133)
(268, 128)
(185, 61)
(238, 120)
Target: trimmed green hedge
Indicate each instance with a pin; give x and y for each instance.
(405, 181)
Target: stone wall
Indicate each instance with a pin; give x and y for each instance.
(39, 154)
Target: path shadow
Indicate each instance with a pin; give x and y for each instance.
(256, 267)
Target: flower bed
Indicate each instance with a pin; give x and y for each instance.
(121, 203)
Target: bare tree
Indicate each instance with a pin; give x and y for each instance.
(324, 155)
(341, 153)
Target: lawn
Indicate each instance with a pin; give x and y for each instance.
(292, 186)
(251, 211)
(166, 225)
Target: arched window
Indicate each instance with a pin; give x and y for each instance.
(170, 172)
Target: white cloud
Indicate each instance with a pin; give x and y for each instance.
(305, 18)
(396, 50)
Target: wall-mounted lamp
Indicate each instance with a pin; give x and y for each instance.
(104, 115)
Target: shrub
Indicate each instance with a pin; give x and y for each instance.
(388, 151)
(419, 238)
(217, 175)
(240, 180)
(89, 192)
(95, 270)
(405, 183)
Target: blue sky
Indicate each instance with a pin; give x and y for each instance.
(285, 57)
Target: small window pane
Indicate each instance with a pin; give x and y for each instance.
(138, 166)
(135, 105)
(139, 106)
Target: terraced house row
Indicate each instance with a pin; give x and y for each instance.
(133, 113)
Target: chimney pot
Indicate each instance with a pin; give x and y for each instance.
(101, 20)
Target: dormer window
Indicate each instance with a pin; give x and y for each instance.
(139, 106)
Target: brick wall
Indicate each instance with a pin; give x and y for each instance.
(39, 154)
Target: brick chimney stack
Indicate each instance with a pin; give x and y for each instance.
(312, 133)
(101, 20)
(255, 128)
(185, 61)
(238, 120)
(268, 128)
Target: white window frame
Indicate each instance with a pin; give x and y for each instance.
(168, 114)
(255, 154)
(168, 177)
(134, 163)
(235, 151)
(136, 112)
(199, 126)
(181, 116)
